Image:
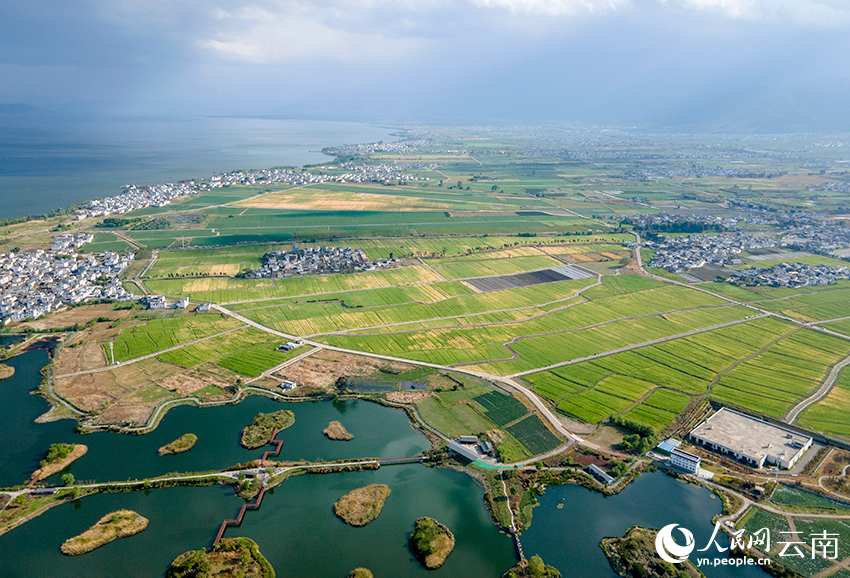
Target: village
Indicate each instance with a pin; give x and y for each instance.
(791, 275)
(36, 283)
(679, 254)
(137, 197)
(317, 260)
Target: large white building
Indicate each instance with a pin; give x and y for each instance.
(684, 460)
(750, 440)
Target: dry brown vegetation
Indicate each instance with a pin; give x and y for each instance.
(182, 444)
(76, 315)
(337, 431)
(408, 396)
(130, 393)
(431, 542)
(6, 371)
(362, 505)
(120, 524)
(230, 558)
(192, 381)
(322, 369)
(51, 468)
(340, 201)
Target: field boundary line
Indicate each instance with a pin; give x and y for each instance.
(432, 269)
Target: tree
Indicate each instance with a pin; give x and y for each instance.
(458, 184)
(68, 479)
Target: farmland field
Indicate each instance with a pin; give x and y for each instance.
(248, 351)
(532, 434)
(799, 498)
(226, 290)
(162, 333)
(504, 262)
(821, 306)
(315, 318)
(501, 409)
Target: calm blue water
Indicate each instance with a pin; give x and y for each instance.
(47, 163)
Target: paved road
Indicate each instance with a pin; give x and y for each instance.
(822, 391)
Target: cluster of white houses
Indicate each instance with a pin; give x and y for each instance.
(316, 260)
(38, 282)
(137, 197)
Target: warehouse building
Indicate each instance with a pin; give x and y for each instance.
(750, 440)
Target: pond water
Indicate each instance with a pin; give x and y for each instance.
(295, 527)
(568, 537)
(378, 432)
(7, 340)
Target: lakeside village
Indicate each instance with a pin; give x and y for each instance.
(36, 283)
(137, 197)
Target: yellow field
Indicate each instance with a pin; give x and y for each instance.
(315, 199)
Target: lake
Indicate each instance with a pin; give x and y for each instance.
(48, 162)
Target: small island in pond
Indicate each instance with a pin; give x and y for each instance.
(6, 371)
(182, 444)
(534, 567)
(635, 555)
(57, 458)
(361, 573)
(120, 524)
(229, 558)
(258, 433)
(362, 505)
(337, 431)
(431, 542)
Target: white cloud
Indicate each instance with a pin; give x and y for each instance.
(257, 35)
(554, 7)
(826, 13)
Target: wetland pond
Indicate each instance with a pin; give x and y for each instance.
(295, 527)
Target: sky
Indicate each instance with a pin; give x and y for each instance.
(431, 60)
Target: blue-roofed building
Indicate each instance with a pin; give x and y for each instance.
(667, 446)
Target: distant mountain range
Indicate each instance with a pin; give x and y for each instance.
(815, 108)
(821, 108)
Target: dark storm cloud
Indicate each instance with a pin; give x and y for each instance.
(507, 59)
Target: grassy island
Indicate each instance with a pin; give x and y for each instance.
(362, 505)
(229, 558)
(258, 433)
(337, 431)
(57, 458)
(6, 371)
(634, 555)
(182, 444)
(120, 524)
(431, 542)
(361, 573)
(534, 567)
